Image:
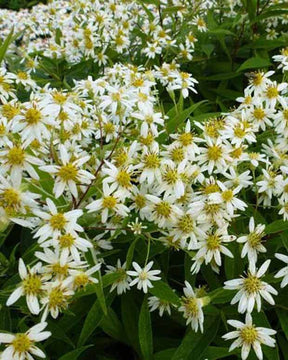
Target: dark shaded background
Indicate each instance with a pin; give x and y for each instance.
(18, 4)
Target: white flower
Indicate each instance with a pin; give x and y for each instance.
(192, 308)
(110, 202)
(252, 241)
(22, 346)
(155, 303)
(143, 276)
(80, 278)
(31, 286)
(69, 173)
(123, 280)
(227, 198)
(57, 222)
(284, 271)
(251, 289)
(248, 335)
(211, 247)
(56, 298)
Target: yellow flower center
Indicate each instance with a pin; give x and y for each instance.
(16, 156)
(124, 179)
(191, 306)
(249, 334)
(214, 152)
(33, 116)
(68, 172)
(10, 198)
(143, 275)
(116, 96)
(59, 98)
(22, 75)
(66, 241)
(239, 132)
(213, 242)
(186, 224)
(252, 284)
(121, 158)
(259, 113)
(151, 161)
(170, 176)
(109, 202)
(21, 343)
(210, 189)
(57, 269)
(140, 201)
(108, 128)
(257, 79)
(58, 221)
(9, 111)
(163, 209)
(81, 280)
(32, 284)
(177, 154)
(254, 239)
(186, 139)
(227, 195)
(272, 92)
(57, 299)
(236, 153)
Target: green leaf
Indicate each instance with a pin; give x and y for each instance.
(92, 320)
(254, 63)
(129, 315)
(283, 318)
(216, 353)
(194, 344)
(100, 293)
(164, 292)
(73, 355)
(112, 326)
(145, 332)
(177, 119)
(276, 226)
(164, 354)
(130, 253)
(5, 45)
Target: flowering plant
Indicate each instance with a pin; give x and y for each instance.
(144, 180)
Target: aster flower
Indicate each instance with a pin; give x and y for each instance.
(251, 289)
(252, 241)
(248, 335)
(22, 345)
(143, 276)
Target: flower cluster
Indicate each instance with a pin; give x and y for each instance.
(105, 175)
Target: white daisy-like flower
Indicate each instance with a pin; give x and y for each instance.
(248, 335)
(155, 303)
(192, 308)
(228, 199)
(143, 276)
(252, 241)
(31, 286)
(211, 247)
(251, 289)
(123, 280)
(80, 278)
(56, 298)
(56, 223)
(69, 173)
(284, 271)
(111, 202)
(22, 346)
